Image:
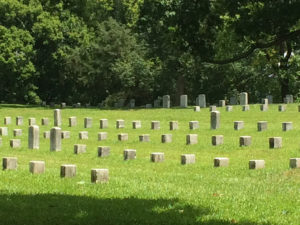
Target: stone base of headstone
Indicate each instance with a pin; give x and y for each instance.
(15, 143)
(245, 108)
(19, 120)
(83, 135)
(188, 159)
(238, 125)
(229, 108)
(286, 126)
(217, 140)
(197, 109)
(120, 124)
(275, 142)
(166, 138)
(65, 134)
(103, 151)
(123, 137)
(155, 125)
(245, 140)
(88, 122)
(79, 148)
(129, 154)
(68, 170)
(144, 138)
(222, 103)
(17, 132)
(3, 131)
(9, 163)
(99, 175)
(72, 121)
(221, 162)
(212, 108)
(36, 167)
(136, 124)
(7, 120)
(102, 136)
(46, 134)
(157, 157)
(191, 139)
(31, 121)
(173, 125)
(264, 107)
(45, 121)
(103, 123)
(256, 164)
(262, 125)
(294, 163)
(282, 108)
(194, 125)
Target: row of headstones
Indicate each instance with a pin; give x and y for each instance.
(102, 175)
(56, 136)
(67, 170)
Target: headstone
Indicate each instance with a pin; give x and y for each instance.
(244, 98)
(262, 125)
(7, 120)
(275, 142)
(44, 104)
(83, 135)
(166, 138)
(155, 125)
(78, 105)
(67, 170)
(173, 125)
(295, 163)
(120, 124)
(79, 148)
(265, 101)
(238, 125)
(221, 162)
(102, 136)
(245, 140)
(45, 121)
(188, 159)
(202, 100)
(103, 151)
(156, 103)
(36, 167)
(290, 98)
(57, 118)
(194, 125)
(63, 105)
(123, 137)
(17, 132)
(34, 137)
(166, 101)
(88, 122)
(245, 108)
(183, 101)
(264, 107)
(215, 120)
(212, 108)
(256, 164)
(282, 108)
(197, 109)
(222, 103)
(129, 154)
(132, 103)
(19, 120)
(46, 134)
(157, 157)
(55, 139)
(3, 131)
(65, 134)
(148, 106)
(229, 108)
(144, 138)
(136, 124)
(103, 123)
(191, 139)
(233, 100)
(217, 140)
(270, 99)
(99, 175)
(15, 143)
(9, 163)
(286, 126)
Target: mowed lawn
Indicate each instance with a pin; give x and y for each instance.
(141, 192)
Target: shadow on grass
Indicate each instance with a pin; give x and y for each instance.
(55, 209)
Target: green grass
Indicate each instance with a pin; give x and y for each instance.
(141, 192)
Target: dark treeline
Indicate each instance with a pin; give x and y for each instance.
(94, 51)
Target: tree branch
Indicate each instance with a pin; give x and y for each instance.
(255, 46)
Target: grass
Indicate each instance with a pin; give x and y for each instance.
(141, 192)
